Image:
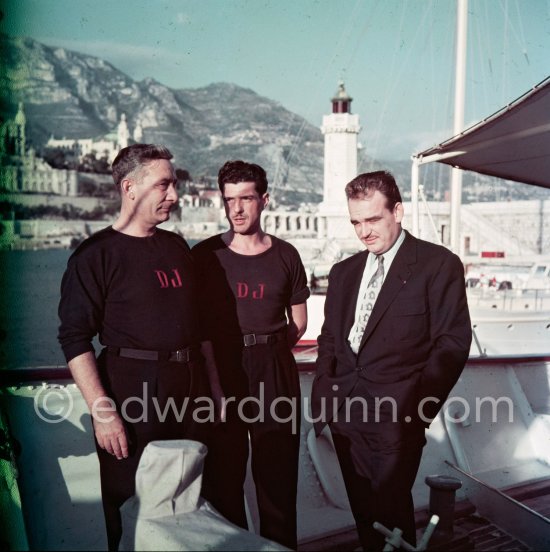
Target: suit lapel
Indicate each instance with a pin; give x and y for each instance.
(399, 273)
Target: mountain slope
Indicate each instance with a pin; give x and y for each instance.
(72, 95)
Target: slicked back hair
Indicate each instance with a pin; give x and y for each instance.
(237, 171)
(365, 184)
(132, 158)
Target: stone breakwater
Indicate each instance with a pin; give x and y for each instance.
(65, 234)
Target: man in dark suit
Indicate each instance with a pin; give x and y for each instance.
(395, 339)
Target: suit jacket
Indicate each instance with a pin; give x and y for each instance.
(417, 339)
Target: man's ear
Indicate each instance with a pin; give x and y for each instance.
(399, 212)
(265, 197)
(127, 187)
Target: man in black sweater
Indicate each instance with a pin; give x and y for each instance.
(134, 285)
(253, 296)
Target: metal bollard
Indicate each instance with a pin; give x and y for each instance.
(442, 503)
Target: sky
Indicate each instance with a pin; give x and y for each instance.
(396, 57)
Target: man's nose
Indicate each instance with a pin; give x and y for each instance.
(172, 193)
(238, 206)
(366, 229)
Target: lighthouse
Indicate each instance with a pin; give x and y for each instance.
(340, 129)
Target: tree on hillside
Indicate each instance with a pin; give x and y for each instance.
(87, 187)
(58, 158)
(183, 175)
(90, 164)
(184, 180)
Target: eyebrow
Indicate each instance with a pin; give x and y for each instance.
(368, 219)
(244, 196)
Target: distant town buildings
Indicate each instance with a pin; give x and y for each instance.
(22, 171)
(201, 198)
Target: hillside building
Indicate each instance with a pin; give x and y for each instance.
(22, 171)
(106, 146)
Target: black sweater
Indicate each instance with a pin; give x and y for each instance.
(133, 292)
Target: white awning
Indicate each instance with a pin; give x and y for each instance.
(513, 144)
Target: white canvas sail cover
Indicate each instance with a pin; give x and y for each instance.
(167, 511)
(513, 144)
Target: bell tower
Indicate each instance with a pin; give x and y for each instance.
(19, 124)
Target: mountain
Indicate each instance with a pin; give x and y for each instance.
(73, 95)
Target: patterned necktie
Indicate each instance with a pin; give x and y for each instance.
(367, 304)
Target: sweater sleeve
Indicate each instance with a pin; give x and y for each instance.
(81, 306)
(298, 279)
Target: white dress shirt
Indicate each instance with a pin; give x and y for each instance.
(370, 268)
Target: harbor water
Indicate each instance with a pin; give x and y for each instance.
(30, 283)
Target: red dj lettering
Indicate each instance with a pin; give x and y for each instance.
(259, 293)
(243, 291)
(174, 280)
(163, 278)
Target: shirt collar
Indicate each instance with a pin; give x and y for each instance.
(390, 254)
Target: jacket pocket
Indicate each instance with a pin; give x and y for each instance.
(409, 307)
(410, 319)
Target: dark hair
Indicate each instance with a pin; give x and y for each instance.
(234, 172)
(133, 157)
(367, 183)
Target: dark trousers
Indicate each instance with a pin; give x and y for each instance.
(150, 385)
(379, 462)
(274, 444)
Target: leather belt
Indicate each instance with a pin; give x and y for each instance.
(181, 355)
(249, 340)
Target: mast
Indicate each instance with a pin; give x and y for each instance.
(460, 89)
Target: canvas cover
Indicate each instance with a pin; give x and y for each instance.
(513, 144)
(167, 511)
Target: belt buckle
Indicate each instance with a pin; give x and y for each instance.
(182, 355)
(249, 340)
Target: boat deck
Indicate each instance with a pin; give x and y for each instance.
(475, 532)
(471, 530)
